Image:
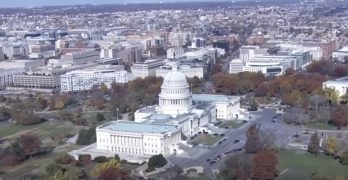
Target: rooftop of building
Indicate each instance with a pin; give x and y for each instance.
(138, 127)
(213, 98)
(340, 80)
(344, 49)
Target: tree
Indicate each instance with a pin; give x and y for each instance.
(103, 88)
(157, 161)
(253, 106)
(253, 142)
(331, 94)
(113, 173)
(339, 116)
(264, 166)
(314, 146)
(236, 167)
(68, 174)
(296, 115)
(100, 117)
(29, 143)
(331, 147)
(23, 113)
(85, 159)
(63, 159)
(99, 168)
(100, 159)
(52, 168)
(344, 158)
(86, 136)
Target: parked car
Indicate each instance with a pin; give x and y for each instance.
(236, 141)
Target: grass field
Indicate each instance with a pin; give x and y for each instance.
(206, 139)
(299, 161)
(323, 126)
(232, 124)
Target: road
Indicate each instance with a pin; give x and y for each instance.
(281, 133)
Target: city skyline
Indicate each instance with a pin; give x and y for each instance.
(34, 3)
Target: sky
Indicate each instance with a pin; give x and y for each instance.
(31, 3)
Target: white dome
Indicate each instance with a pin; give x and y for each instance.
(175, 79)
(175, 97)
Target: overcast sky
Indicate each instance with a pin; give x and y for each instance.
(29, 3)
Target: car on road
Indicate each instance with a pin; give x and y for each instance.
(236, 141)
(273, 121)
(212, 162)
(208, 160)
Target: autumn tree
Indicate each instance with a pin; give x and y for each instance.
(68, 174)
(314, 146)
(339, 116)
(296, 115)
(332, 95)
(236, 167)
(264, 165)
(101, 167)
(113, 173)
(97, 99)
(85, 159)
(29, 143)
(331, 146)
(23, 113)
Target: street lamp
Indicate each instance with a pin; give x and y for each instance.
(117, 113)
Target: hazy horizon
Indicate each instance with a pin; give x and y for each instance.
(30, 3)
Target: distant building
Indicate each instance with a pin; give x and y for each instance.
(82, 80)
(81, 57)
(2, 55)
(341, 55)
(198, 42)
(340, 85)
(146, 68)
(190, 71)
(6, 76)
(175, 52)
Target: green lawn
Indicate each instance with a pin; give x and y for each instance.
(231, 124)
(323, 126)
(13, 129)
(199, 177)
(299, 161)
(46, 129)
(205, 139)
(92, 117)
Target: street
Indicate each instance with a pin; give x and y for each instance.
(281, 133)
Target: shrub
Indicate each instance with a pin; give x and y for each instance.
(100, 159)
(64, 159)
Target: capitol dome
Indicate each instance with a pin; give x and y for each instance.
(175, 79)
(175, 97)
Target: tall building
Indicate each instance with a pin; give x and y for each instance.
(2, 55)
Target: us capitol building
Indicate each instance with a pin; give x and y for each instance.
(160, 128)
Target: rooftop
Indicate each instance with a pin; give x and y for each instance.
(137, 127)
(212, 97)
